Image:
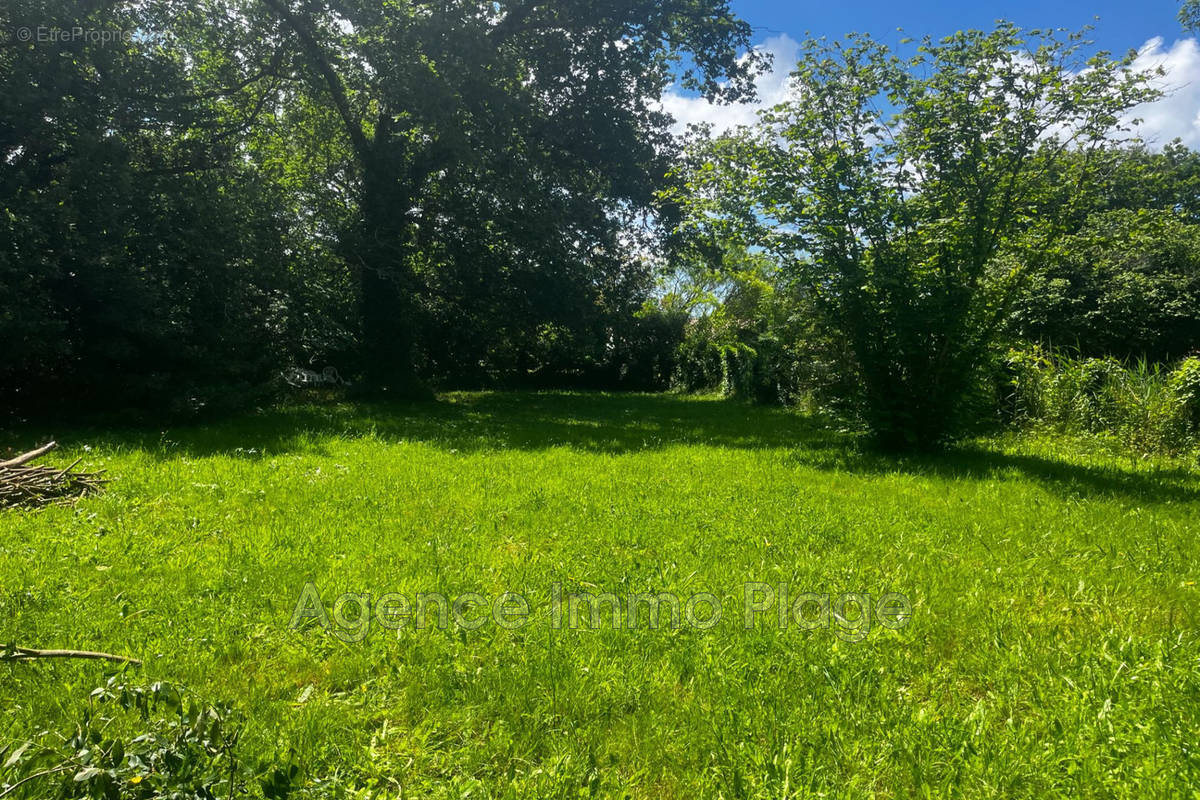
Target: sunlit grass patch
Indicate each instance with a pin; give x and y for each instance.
(1051, 647)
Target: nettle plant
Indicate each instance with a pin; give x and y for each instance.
(906, 194)
(145, 742)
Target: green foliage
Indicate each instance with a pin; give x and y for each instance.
(1127, 285)
(245, 186)
(738, 339)
(137, 743)
(1189, 15)
(497, 157)
(1146, 408)
(698, 363)
(1136, 177)
(145, 262)
(911, 229)
(643, 353)
(1185, 390)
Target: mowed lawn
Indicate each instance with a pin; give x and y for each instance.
(1051, 649)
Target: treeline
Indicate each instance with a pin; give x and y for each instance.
(882, 265)
(1121, 285)
(476, 194)
(198, 195)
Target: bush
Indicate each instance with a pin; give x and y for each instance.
(747, 347)
(642, 353)
(1144, 406)
(1185, 390)
(736, 359)
(1126, 285)
(698, 361)
(143, 743)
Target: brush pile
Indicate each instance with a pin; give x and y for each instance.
(24, 486)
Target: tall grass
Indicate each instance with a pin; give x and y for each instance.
(1052, 649)
(1148, 407)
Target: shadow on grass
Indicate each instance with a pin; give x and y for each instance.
(620, 423)
(470, 422)
(1107, 478)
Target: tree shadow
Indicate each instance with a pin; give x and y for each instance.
(972, 462)
(470, 422)
(622, 423)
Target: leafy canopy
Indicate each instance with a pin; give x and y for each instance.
(902, 192)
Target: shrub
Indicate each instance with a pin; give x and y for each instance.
(698, 362)
(1185, 389)
(142, 743)
(1028, 378)
(1146, 407)
(1125, 285)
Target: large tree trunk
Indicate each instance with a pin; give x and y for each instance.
(379, 247)
(387, 287)
(387, 334)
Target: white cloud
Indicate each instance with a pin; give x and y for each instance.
(771, 88)
(1177, 115)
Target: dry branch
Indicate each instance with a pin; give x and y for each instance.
(30, 654)
(30, 456)
(24, 486)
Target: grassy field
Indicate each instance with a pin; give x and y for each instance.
(1051, 647)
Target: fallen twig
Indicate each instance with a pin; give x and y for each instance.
(30, 654)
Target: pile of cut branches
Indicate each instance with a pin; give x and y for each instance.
(24, 486)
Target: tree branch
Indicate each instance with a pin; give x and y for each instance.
(333, 82)
(29, 654)
(30, 456)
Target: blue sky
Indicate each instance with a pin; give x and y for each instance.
(1122, 25)
(1150, 27)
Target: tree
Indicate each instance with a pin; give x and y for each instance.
(511, 134)
(904, 192)
(1126, 285)
(1130, 177)
(143, 260)
(235, 182)
(1189, 15)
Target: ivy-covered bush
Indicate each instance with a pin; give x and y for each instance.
(1185, 390)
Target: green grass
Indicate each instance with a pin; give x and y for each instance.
(1052, 647)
